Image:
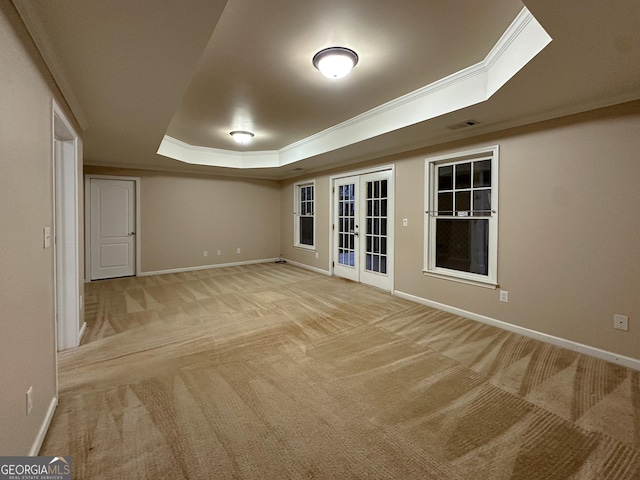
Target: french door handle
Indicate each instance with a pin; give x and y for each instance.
(132, 234)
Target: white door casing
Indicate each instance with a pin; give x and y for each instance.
(68, 296)
(113, 223)
(363, 228)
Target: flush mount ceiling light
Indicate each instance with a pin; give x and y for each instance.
(335, 62)
(241, 136)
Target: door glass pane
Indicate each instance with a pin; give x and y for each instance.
(346, 224)
(376, 226)
(463, 245)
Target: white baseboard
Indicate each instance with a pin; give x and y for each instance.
(37, 443)
(308, 267)
(206, 267)
(560, 342)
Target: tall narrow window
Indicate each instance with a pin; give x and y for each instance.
(304, 215)
(461, 218)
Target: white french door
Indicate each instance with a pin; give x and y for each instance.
(113, 236)
(346, 227)
(363, 228)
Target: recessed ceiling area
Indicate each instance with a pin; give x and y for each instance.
(522, 40)
(256, 72)
(137, 72)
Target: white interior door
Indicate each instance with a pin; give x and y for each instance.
(113, 236)
(363, 228)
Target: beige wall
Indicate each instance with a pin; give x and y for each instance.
(569, 230)
(27, 319)
(184, 215)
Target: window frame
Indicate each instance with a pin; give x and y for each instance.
(430, 200)
(297, 213)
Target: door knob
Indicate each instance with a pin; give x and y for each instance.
(132, 234)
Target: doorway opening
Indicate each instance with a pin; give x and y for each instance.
(67, 294)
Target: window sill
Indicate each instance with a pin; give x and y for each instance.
(477, 283)
(309, 248)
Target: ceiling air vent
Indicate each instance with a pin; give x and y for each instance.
(465, 124)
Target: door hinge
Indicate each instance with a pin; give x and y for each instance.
(333, 190)
(333, 264)
(333, 226)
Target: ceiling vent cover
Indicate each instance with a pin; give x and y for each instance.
(465, 124)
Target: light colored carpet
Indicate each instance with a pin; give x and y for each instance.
(273, 372)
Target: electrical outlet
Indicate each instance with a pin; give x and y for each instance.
(621, 322)
(205, 254)
(219, 252)
(238, 250)
(317, 256)
(504, 296)
(405, 222)
(29, 400)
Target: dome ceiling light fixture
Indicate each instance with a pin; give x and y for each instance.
(335, 62)
(241, 136)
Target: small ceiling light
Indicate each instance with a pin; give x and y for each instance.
(241, 136)
(335, 62)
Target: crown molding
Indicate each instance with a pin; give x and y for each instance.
(197, 155)
(35, 27)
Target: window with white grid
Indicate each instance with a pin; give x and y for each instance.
(461, 217)
(304, 215)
